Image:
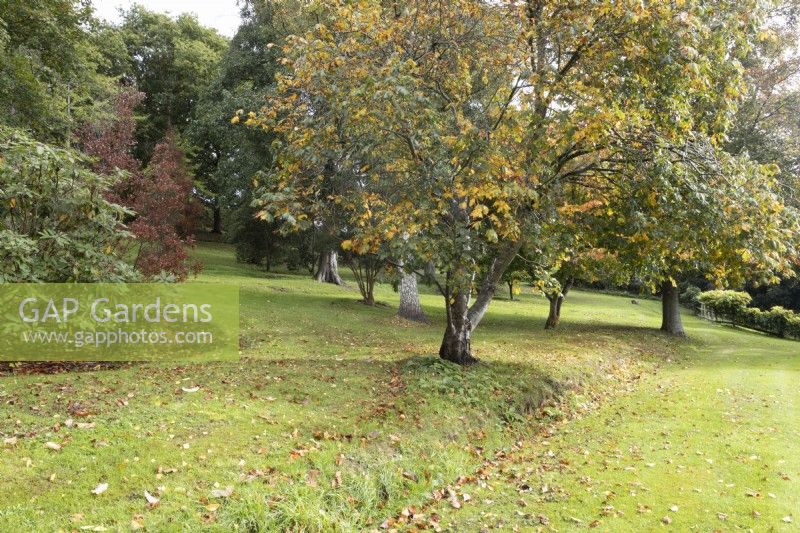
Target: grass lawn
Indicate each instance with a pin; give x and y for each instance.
(339, 417)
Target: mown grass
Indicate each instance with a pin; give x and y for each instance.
(710, 443)
(337, 417)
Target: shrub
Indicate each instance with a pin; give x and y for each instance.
(57, 225)
(689, 296)
(777, 320)
(732, 305)
(728, 305)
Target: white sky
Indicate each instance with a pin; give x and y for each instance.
(220, 14)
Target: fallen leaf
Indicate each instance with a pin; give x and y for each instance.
(152, 501)
(190, 389)
(100, 489)
(410, 476)
(222, 493)
(52, 446)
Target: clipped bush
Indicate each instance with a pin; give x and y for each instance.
(777, 320)
(732, 305)
(793, 327)
(727, 305)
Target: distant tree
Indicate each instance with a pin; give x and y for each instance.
(111, 143)
(227, 156)
(55, 223)
(410, 307)
(516, 275)
(161, 199)
(171, 61)
(766, 127)
(327, 270)
(166, 213)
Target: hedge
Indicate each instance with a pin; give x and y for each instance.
(732, 306)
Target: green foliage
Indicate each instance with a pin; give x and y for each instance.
(171, 61)
(777, 321)
(227, 157)
(49, 67)
(55, 224)
(732, 305)
(695, 208)
(725, 304)
(689, 296)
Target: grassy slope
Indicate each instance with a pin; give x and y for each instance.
(710, 443)
(338, 417)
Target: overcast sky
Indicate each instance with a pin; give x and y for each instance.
(220, 14)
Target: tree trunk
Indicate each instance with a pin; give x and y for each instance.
(555, 305)
(366, 269)
(456, 342)
(328, 268)
(555, 311)
(217, 225)
(489, 285)
(670, 310)
(511, 290)
(410, 308)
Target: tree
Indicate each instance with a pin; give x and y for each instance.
(227, 157)
(327, 270)
(56, 225)
(111, 142)
(160, 197)
(765, 126)
(515, 275)
(695, 208)
(171, 61)
(439, 133)
(50, 80)
(366, 268)
(166, 214)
